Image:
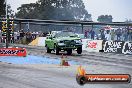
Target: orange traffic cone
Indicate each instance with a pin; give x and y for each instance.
(64, 62)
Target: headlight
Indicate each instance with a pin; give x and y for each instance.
(78, 41)
(61, 43)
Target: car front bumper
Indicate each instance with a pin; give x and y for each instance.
(64, 46)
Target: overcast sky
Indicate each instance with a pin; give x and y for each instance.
(119, 9)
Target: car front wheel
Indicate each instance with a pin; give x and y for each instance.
(79, 50)
(69, 51)
(57, 50)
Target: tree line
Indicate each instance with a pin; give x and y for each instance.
(55, 10)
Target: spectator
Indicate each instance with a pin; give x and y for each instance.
(33, 35)
(107, 35)
(18, 35)
(102, 34)
(86, 34)
(92, 34)
(118, 33)
(112, 34)
(22, 34)
(15, 36)
(125, 35)
(28, 37)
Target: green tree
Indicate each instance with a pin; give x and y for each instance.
(27, 11)
(10, 11)
(54, 9)
(2, 10)
(2, 7)
(105, 18)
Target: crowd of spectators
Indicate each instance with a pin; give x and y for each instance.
(119, 34)
(90, 34)
(24, 37)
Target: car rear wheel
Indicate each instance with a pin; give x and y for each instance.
(69, 51)
(79, 50)
(48, 50)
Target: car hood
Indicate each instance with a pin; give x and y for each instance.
(67, 38)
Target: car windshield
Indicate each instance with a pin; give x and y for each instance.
(65, 34)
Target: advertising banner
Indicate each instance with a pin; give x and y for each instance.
(127, 48)
(13, 52)
(113, 46)
(93, 45)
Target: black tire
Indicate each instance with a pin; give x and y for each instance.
(69, 51)
(48, 50)
(79, 50)
(57, 50)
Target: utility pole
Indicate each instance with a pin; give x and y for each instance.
(82, 28)
(6, 9)
(7, 31)
(28, 27)
(6, 25)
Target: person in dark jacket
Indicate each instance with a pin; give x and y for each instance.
(92, 34)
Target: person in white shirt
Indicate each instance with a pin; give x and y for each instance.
(107, 35)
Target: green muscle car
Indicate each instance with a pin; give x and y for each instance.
(63, 41)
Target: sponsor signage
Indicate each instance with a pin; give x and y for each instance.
(83, 78)
(13, 52)
(113, 46)
(127, 48)
(117, 47)
(92, 44)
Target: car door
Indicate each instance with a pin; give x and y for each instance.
(48, 42)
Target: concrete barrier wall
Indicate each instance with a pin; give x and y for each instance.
(88, 44)
(34, 42)
(40, 41)
(84, 42)
(96, 45)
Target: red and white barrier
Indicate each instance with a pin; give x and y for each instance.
(13, 52)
